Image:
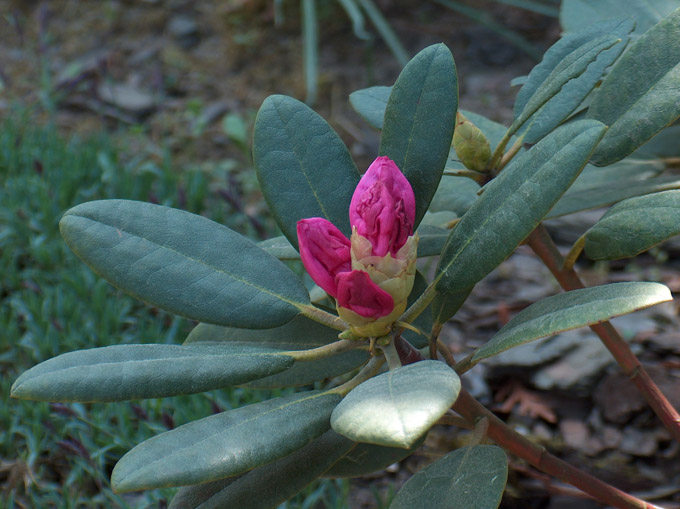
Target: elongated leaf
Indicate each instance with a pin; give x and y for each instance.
(122, 372)
(365, 459)
(572, 93)
(610, 193)
(572, 72)
(633, 226)
(271, 484)
(513, 204)
(303, 167)
(640, 95)
(371, 103)
(571, 310)
(398, 407)
(300, 333)
(419, 121)
(471, 477)
(183, 263)
(225, 444)
(576, 14)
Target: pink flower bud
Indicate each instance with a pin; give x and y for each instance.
(358, 293)
(383, 207)
(325, 252)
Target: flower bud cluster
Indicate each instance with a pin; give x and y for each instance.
(371, 274)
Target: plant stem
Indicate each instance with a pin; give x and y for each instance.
(513, 442)
(472, 410)
(507, 157)
(419, 305)
(326, 350)
(321, 316)
(368, 371)
(471, 174)
(391, 355)
(543, 245)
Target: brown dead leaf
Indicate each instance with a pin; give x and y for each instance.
(530, 403)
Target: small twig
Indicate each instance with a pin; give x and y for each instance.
(446, 353)
(543, 245)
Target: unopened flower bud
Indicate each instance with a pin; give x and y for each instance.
(471, 146)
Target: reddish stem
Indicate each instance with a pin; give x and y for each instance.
(543, 245)
(537, 456)
(469, 408)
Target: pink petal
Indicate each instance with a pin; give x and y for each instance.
(358, 293)
(383, 207)
(324, 250)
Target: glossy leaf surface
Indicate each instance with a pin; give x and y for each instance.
(633, 226)
(396, 408)
(183, 263)
(303, 167)
(225, 444)
(122, 372)
(640, 95)
(471, 477)
(419, 121)
(570, 310)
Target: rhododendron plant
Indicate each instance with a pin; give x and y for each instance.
(371, 275)
(358, 238)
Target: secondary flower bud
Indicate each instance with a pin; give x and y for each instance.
(324, 251)
(472, 147)
(358, 293)
(383, 207)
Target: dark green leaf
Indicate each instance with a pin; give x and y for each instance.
(571, 310)
(640, 95)
(303, 167)
(613, 191)
(396, 408)
(456, 194)
(122, 372)
(226, 444)
(633, 226)
(269, 485)
(280, 248)
(431, 241)
(471, 477)
(576, 14)
(572, 93)
(365, 459)
(513, 204)
(419, 121)
(300, 333)
(183, 263)
(371, 103)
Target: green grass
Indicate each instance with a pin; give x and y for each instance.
(61, 455)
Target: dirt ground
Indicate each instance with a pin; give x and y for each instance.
(163, 74)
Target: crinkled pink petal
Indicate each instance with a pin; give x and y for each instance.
(383, 207)
(324, 250)
(358, 293)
